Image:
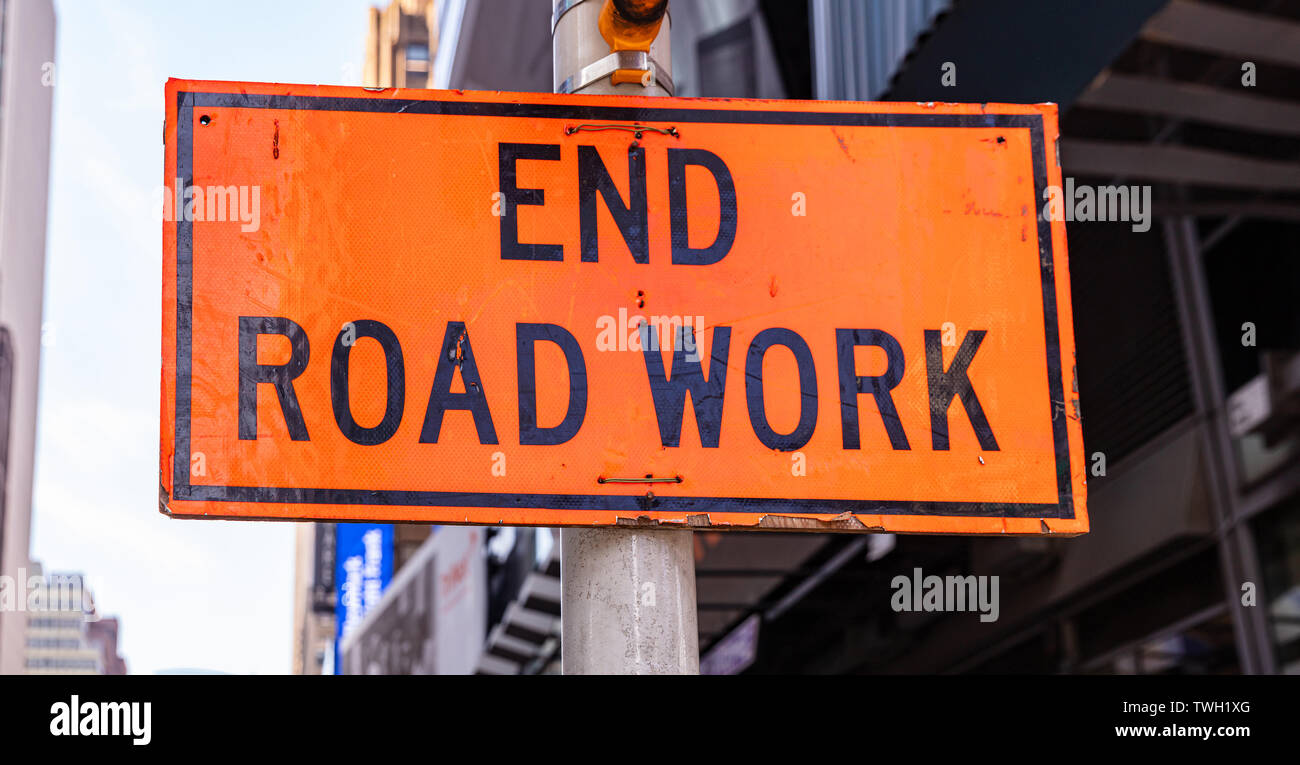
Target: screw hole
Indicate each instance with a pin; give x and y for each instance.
(205, 119)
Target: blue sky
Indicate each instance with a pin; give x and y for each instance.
(207, 594)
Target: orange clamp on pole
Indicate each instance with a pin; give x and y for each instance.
(631, 25)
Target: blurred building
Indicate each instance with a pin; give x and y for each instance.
(1187, 336)
(103, 635)
(523, 634)
(400, 43)
(26, 93)
(65, 633)
(432, 616)
(313, 597)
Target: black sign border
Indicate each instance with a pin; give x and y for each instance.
(183, 490)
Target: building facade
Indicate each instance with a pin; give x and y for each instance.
(1187, 330)
(313, 598)
(400, 44)
(26, 95)
(66, 635)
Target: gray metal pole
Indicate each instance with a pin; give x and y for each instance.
(627, 595)
(627, 602)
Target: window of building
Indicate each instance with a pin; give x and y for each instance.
(46, 662)
(1257, 322)
(53, 642)
(1277, 534)
(68, 620)
(1252, 292)
(1174, 621)
(726, 62)
(1201, 645)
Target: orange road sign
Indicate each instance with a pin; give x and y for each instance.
(459, 307)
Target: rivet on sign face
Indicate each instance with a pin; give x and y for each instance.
(205, 119)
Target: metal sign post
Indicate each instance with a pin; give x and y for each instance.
(628, 595)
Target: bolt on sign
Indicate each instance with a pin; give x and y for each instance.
(458, 307)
